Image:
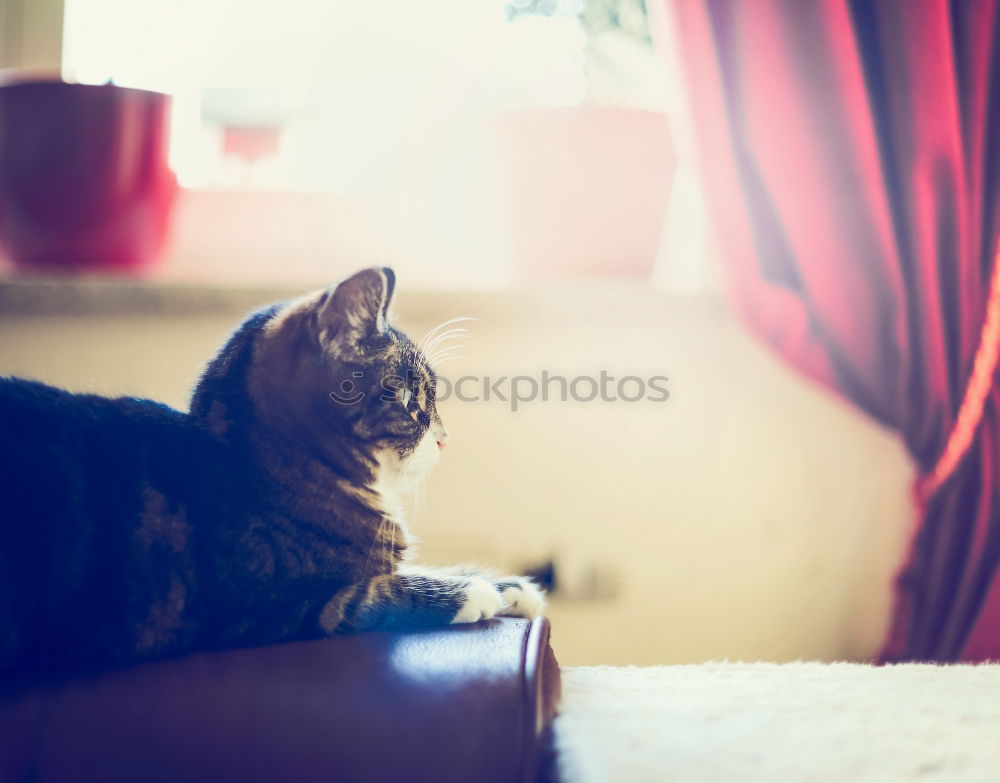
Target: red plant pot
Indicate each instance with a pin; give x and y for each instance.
(84, 178)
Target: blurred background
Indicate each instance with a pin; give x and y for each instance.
(528, 164)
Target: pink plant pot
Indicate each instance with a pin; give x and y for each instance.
(585, 190)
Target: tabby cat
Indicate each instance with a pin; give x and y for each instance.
(130, 531)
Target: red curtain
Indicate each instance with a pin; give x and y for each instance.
(851, 155)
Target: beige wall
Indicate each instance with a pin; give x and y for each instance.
(753, 516)
(31, 35)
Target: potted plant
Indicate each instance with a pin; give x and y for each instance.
(84, 178)
(586, 188)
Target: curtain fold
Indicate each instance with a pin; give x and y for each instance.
(850, 151)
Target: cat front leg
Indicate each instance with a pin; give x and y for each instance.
(412, 598)
(521, 597)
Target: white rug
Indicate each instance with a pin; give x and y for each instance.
(780, 723)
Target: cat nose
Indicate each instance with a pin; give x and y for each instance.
(442, 439)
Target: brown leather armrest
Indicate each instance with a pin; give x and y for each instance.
(465, 703)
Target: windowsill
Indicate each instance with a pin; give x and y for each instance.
(120, 297)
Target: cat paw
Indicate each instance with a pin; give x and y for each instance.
(482, 601)
(521, 598)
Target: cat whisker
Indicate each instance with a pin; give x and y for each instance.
(456, 342)
(432, 332)
(451, 334)
(439, 335)
(442, 351)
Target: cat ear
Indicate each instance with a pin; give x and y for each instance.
(356, 308)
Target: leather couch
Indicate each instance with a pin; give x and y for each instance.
(464, 703)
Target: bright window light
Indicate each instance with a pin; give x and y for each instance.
(327, 95)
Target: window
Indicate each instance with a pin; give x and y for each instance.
(314, 95)
(313, 136)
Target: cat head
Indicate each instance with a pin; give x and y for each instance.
(328, 375)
